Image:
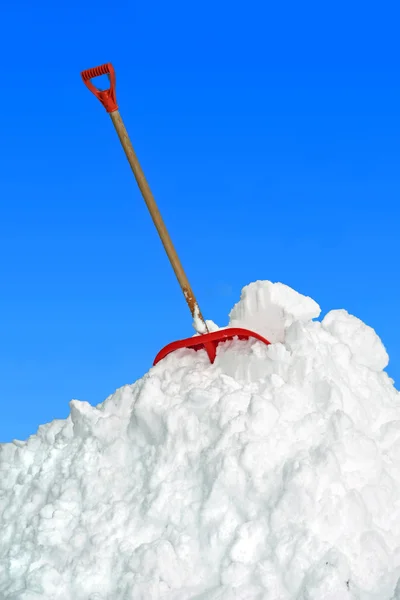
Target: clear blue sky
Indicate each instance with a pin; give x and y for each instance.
(270, 135)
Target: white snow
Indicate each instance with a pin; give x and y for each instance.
(273, 474)
(198, 323)
(366, 347)
(201, 327)
(270, 308)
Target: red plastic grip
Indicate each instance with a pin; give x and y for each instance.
(106, 97)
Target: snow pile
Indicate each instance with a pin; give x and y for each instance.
(270, 308)
(273, 474)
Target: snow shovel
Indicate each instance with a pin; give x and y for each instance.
(207, 341)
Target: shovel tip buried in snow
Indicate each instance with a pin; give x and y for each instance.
(209, 342)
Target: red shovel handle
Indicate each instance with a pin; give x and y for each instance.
(106, 97)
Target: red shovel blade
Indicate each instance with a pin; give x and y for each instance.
(209, 342)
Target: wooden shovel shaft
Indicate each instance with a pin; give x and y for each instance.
(155, 214)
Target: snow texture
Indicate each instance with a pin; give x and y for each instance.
(270, 308)
(273, 474)
(198, 323)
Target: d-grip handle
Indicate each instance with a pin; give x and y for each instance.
(106, 97)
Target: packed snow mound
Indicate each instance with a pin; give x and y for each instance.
(273, 474)
(365, 345)
(270, 308)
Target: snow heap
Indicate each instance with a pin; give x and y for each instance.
(273, 474)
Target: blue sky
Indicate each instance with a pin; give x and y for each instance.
(270, 135)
